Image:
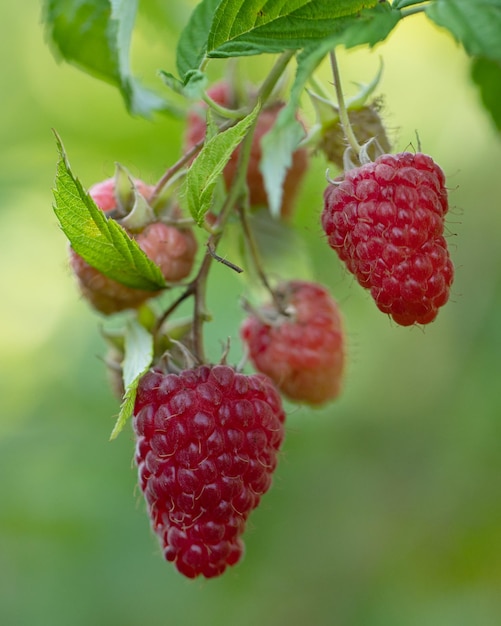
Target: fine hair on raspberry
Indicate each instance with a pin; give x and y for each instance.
(207, 446)
(385, 220)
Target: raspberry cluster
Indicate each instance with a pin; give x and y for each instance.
(302, 349)
(207, 445)
(385, 220)
(208, 436)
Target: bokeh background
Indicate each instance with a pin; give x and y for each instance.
(386, 507)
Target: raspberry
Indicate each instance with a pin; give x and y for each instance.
(171, 248)
(207, 446)
(386, 222)
(195, 132)
(303, 351)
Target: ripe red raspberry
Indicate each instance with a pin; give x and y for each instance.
(386, 222)
(207, 446)
(171, 248)
(222, 94)
(303, 351)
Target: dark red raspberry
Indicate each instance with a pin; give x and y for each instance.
(302, 351)
(195, 131)
(386, 222)
(172, 249)
(207, 445)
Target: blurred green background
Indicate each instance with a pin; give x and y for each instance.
(386, 507)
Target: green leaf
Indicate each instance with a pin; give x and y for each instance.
(256, 26)
(95, 36)
(192, 44)
(200, 182)
(476, 25)
(137, 359)
(100, 241)
(487, 75)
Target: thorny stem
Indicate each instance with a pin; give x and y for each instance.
(343, 112)
(174, 169)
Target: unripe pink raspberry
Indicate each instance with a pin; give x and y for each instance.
(302, 351)
(207, 446)
(171, 248)
(196, 127)
(385, 220)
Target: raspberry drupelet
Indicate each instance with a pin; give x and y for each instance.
(385, 220)
(207, 446)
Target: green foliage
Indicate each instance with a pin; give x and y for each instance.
(192, 43)
(137, 359)
(477, 25)
(487, 75)
(200, 182)
(247, 27)
(95, 35)
(102, 242)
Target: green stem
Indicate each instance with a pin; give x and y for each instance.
(413, 10)
(343, 111)
(276, 71)
(256, 260)
(231, 114)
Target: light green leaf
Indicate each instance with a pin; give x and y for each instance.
(278, 146)
(192, 44)
(200, 182)
(476, 25)
(138, 352)
(137, 360)
(100, 241)
(257, 26)
(487, 75)
(95, 36)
